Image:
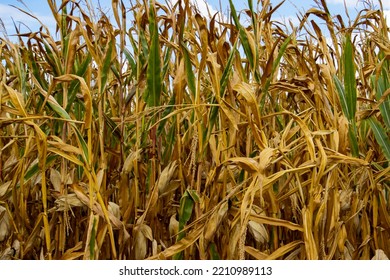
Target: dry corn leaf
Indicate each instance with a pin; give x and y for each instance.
(146, 231)
(10, 162)
(173, 227)
(184, 243)
(86, 96)
(129, 162)
(249, 164)
(140, 245)
(60, 145)
(170, 188)
(229, 114)
(258, 231)
(255, 87)
(349, 160)
(256, 253)
(72, 254)
(55, 179)
(235, 234)
(5, 226)
(247, 202)
(215, 220)
(4, 188)
(11, 252)
(96, 207)
(100, 177)
(155, 249)
(247, 93)
(17, 100)
(66, 201)
(281, 251)
(166, 177)
(65, 155)
(265, 158)
(310, 245)
(379, 255)
(307, 134)
(342, 130)
(90, 243)
(114, 209)
(275, 222)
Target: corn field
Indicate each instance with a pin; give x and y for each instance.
(164, 133)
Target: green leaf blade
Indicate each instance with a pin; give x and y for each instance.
(153, 75)
(380, 136)
(349, 78)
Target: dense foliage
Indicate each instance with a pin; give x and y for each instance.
(164, 133)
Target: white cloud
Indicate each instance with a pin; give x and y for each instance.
(204, 7)
(387, 15)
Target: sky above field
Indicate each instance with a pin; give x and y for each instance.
(288, 11)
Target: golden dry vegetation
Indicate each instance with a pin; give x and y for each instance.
(161, 133)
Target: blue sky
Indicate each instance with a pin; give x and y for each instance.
(287, 11)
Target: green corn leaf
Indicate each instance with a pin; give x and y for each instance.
(115, 71)
(189, 71)
(243, 36)
(194, 195)
(342, 96)
(166, 112)
(381, 86)
(167, 60)
(65, 50)
(63, 114)
(352, 130)
(53, 60)
(349, 78)
(185, 212)
(75, 85)
(64, 21)
(92, 241)
(57, 108)
(82, 142)
(34, 169)
(144, 51)
(106, 66)
(36, 71)
(352, 134)
(253, 17)
(112, 126)
(228, 69)
(214, 252)
(153, 74)
(223, 83)
(348, 94)
(380, 136)
(170, 140)
(130, 60)
(275, 64)
(282, 50)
